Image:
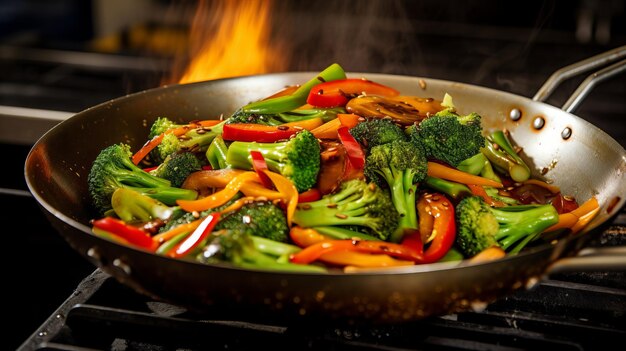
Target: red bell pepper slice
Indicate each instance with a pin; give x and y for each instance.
(257, 132)
(338, 92)
(353, 149)
(444, 226)
(199, 234)
(131, 234)
(310, 195)
(259, 165)
(315, 251)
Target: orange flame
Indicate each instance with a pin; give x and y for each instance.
(232, 38)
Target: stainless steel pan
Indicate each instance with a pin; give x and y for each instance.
(582, 159)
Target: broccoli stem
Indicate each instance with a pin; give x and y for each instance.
(515, 225)
(274, 154)
(297, 98)
(272, 247)
(474, 164)
(505, 158)
(454, 190)
(216, 153)
(167, 195)
(343, 233)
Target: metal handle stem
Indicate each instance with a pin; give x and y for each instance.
(581, 67)
(592, 259)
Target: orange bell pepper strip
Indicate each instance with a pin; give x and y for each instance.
(179, 229)
(348, 120)
(305, 237)
(308, 124)
(315, 251)
(289, 191)
(488, 254)
(327, 130)
(221, 197)
(257, 190)
(577, 219)
(438, 170)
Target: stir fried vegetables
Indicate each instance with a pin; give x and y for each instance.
(338, 173)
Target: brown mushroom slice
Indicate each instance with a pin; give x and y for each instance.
(404, 110)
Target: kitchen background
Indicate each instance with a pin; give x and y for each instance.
(60, 57)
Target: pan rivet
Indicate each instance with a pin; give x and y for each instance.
(515, 114)
(122, 266)
(93, 253)
(566, 133)
(539, 122)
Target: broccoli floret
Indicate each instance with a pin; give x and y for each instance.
(377, 131)
(449, 137)
(481, 226)
(259, 218)
(196, 140)
(400, 166)
(238, 248)
(177, 167)
(113, 169)
(161, 125)
(298, 159)
(326, 114)
(504, 157)
(132, 206)
(356, 203)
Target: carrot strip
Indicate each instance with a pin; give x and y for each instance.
(586, 207)
(552, 188)
(358, 259)
(438, 170)
(480, 191)
(488, 254)
(253, 189)
(146, 148)
(221, 197)
(308, 124)
(584, 220)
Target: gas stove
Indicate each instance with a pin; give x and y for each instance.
(62, 303)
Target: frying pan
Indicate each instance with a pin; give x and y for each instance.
(582, 159)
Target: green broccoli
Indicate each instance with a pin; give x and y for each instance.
(449, 137)
(177, 167)
(113, 169)
(400, 165)
(196, 140)
(238, 248)
(132, 206)
(259, 218)
(298, 158)
(501, 153)
(377, 131)
(356, 203)
(453, 189)
(216, 153)
(481, 226)
(326, 114)
(161, 125)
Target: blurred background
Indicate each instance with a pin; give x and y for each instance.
(60, 57)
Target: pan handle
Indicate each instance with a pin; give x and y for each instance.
(592, 259)
(589, 83)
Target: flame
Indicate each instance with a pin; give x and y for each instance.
(232, 38)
